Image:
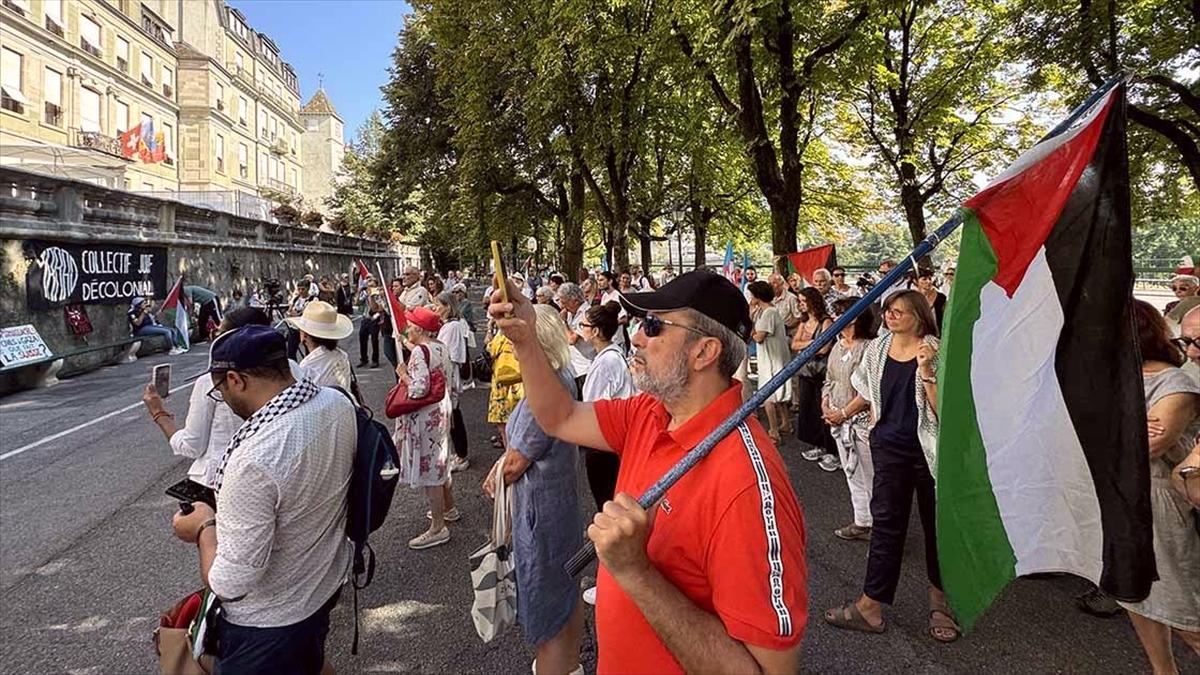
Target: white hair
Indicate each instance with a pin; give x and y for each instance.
(821, 272)
(552, 336)
(1188, 278)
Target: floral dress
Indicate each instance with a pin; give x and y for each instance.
(423, 437)
(504, 398)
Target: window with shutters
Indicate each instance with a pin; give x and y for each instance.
(220, 97)
(89, 110)
(53, 11)
(52, 91)
(168, 82)
(122, 54)
(147, 70)
(243, 161)
(122, 120)
(89, 36)
(243, 110)
(220, 152)
(11, 81)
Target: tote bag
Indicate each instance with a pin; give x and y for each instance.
(493, 575)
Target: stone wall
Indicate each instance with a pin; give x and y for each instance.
(213, 249)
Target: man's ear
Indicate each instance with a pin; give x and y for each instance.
(705, 351)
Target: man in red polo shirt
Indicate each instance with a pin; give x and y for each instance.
(712, 579)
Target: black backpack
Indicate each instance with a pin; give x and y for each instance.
(373, 481)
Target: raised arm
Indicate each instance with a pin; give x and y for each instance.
(560, 415)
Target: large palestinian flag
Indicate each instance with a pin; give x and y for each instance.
(812, 259)
(1042, 455)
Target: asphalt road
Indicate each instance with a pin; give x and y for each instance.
(87, 561)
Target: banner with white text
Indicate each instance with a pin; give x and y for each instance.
(62, 273)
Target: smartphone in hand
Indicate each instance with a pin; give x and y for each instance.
(500, 270)
(162, 379)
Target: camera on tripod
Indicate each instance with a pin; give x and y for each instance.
(866, 281)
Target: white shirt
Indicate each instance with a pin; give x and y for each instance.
(609, 376)
(453, 334)
(582, 351)
(641, 283)
(415, 296)
(209, 426)
(281, 526)
(328, 368)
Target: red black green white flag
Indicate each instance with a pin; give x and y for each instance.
(1042, 453)
(812, 259)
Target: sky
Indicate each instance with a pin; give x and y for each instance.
(349, 41)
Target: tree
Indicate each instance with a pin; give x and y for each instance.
(780, 85)
(928, 107)
(355, 201)
(1075, 45)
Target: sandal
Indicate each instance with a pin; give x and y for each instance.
(848, 617)
(940, 619)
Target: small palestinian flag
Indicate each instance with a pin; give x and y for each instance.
(1042, 455)
(812, 259)
(175, 311)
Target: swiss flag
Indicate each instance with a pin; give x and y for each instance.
(130, 140)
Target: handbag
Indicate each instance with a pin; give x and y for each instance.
(493, 574)
(182, 633)
(506, 371)
(481, 367)
(815, 367)
(398, 401)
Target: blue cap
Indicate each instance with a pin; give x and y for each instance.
(246, 347)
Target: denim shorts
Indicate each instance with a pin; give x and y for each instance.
(298, 648)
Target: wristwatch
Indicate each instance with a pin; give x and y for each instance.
(208, 523)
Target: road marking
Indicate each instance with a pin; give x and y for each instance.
(65, 432)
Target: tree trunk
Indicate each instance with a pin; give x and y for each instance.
(645, 243)
(785, 215)
(914, 213)
(572, 240)
(700, 217)
(620, 237)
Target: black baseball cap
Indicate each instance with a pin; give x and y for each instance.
(246, 347)
(706, 292)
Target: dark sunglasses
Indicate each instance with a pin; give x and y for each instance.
(1184, 342)
(839, 274)
(653, 326)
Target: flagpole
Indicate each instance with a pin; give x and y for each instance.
(655, 492)
(391, 311)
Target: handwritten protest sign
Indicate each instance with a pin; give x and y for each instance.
(21, 344)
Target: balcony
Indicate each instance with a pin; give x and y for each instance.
(90, 48)
(147, 82)
(167, 90)
(94, 140)
(280, 147)
(277, 186)
(12, 103)
(54, 27)
(52, 115)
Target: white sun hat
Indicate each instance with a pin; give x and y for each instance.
(321, 320)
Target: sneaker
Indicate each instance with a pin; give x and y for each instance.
(830, 463)
(589, 596)
(813, 454)
(852, 532)
(451, 516)
(459, 464)
(429, 539)
(1097, 603)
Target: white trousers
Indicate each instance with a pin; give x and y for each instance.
(854, 449)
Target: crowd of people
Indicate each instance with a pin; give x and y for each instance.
(626, 372)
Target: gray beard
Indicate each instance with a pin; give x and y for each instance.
(668, 386)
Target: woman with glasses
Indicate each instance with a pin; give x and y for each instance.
(897, 377)
(210, 424)
(839, 283)
(810, 428)
(1173, 398)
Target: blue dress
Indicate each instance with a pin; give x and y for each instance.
(547, 527)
